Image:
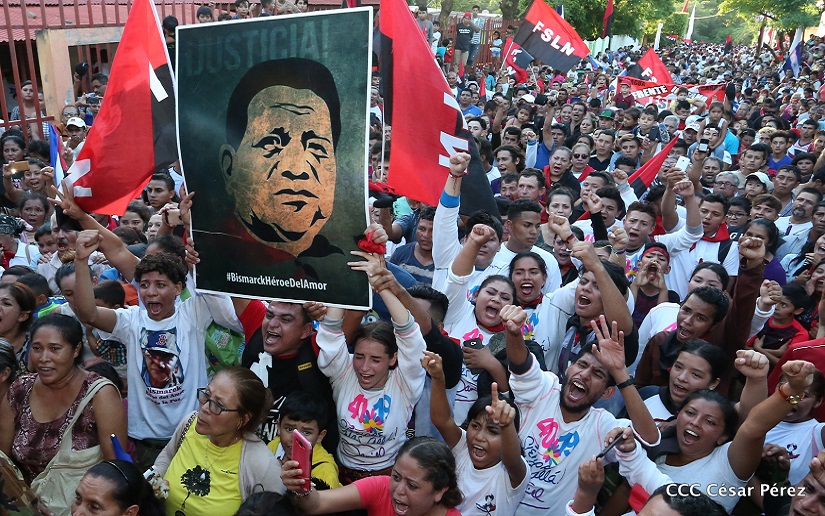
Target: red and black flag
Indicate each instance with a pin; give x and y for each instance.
(346, 4)
(728, 45)
(134, 132)
(641, 179)
(650, 68)
(607, 23)
(547, 37)
(420, 157)
(517, 60)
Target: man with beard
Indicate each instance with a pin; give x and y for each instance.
(560, 429)
(802, 209)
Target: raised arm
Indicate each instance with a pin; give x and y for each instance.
(86, 309)
(110, 244)
(614, 303)
(504, 414)
(610, 353)
(513, 318)
(754, 367)
(439, 404)
(464, 263)
(766, 415)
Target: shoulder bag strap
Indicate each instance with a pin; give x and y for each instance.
(185, 430)
(90, 394)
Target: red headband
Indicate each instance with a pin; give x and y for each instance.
(658, 250)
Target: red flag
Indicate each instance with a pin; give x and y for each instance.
(641, 179)
(550, 39)
(517, 60)
(134, 132)
(608, 19)
(684, 7)
(728, 45)
(653, 69)
(420, 157)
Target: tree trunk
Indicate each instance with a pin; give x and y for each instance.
(444, 16)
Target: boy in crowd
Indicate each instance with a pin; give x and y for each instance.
(782, 329)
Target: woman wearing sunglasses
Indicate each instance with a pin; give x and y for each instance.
(214, 460)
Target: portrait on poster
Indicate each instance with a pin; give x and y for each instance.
(273, 121)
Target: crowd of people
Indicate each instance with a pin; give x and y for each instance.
(591, 348)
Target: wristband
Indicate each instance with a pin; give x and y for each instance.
(619, 252)
(627, 383)
(571, 237)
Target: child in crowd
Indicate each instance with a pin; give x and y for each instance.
(45, 303)
(491, 472)
(782, 329)
(302, 411)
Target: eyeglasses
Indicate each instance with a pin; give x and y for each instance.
(214, 406)
(580, 156)
(69, 115)
(724, 184)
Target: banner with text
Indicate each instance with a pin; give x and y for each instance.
(646, 92)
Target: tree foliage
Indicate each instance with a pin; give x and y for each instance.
(781, 14)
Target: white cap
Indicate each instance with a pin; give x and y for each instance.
(77, 122)
(528, 98)
(762, 178)
(695, 127)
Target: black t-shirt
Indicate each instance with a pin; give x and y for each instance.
(464, 33)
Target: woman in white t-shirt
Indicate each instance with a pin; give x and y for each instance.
(492, 474)
(375, 388)
(712, 451)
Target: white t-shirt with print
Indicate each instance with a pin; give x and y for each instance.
(802, 440)
(487, 492)
(158, 403)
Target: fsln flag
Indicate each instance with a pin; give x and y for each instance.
(641, 179)
(608, 19)
(134, 132)
(56, 154)
(729, 45)
(560, 10)
(517, 60)
(420, 157)
(794, 54)
(653, 69)
(550, 39)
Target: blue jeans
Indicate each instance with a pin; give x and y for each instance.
(473, 51)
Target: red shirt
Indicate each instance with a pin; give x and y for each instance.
(813, 351)
(375, 496)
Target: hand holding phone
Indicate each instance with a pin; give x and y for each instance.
(619, 438)
(302, 453)
(682, 163)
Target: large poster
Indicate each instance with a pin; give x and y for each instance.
(646, 92)
(273, 128)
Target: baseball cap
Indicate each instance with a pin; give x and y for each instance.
(76, 121)
(468, 15)
(694, 127)
(762, 178)
(607, 113)
(9, 225)
(528, 98)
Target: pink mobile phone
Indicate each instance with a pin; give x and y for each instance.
(302, 452)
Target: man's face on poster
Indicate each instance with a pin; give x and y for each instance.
(282, 176)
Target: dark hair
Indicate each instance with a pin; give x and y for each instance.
(166, 178)
(439, 303)
(813, 191)
(515, 153)
(498, 277)
(797, 295)
(129, 235)
(626, 161)
(254, 400)
(17, 271)
(687, 504)
(611, 192)
(204, 11)
(801, 156)
(8, 360)
(106, 370)
(45, 229)
(484, 218)
(128, 486)
(731, 416)
(162, 263)
(170, 244)
(519, 206)
(528, 254)
(744, 203)
(716, 198)
(715, 268)
(140, 210)
(111, 293)
(479, 406)
(772, 244)
(712, 296)
(44, 202)
(266, 503)
(616, 273)
(643, 207)
(604, 176)
(534, 172)
(793, 169)
(305, 407)
(25, 299)
(562, 191)
(436, 459)
(100, 77)
(169, 23)
(297, 73)
(65, 270)
(711, 354)
(509, 177)
(38, 284)
(762, 148)
(69, 328)
(379, 331)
